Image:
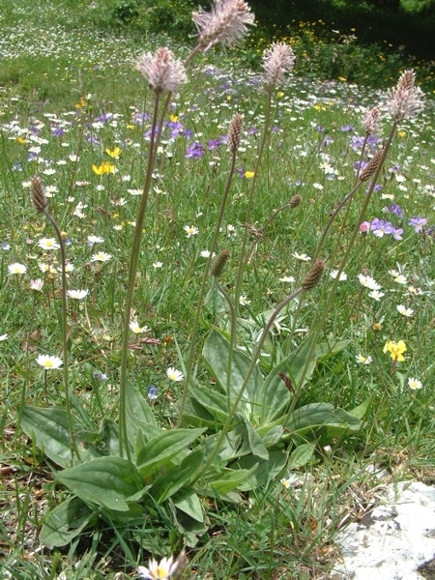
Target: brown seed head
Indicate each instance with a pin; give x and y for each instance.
(235, 132)
(314, 275)
(371, 166)
(219, 262)
(37, 194)
(295, 200)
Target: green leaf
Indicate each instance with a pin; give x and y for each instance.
(274, 396)
(360, 411)
(229, 449)
(232, 479)
(110, 436)
(214, 403)
(328, 349)
(254, 441)
(322, 419)
(188, 502)
(106, 481)
(139, 414)
(215, 352)
(195, 415)
(301, 455)
(176, 476)
(302, 361)
(161, 449)
(51, 431)
(65, 522)
(266, 471)
(272, 436)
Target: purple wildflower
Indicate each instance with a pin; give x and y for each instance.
(418, 224)
(140, 117)
(195, 150)
(381, 228)
(360, 165)
(327, 140)
(175, 129)
(396, 209)
(100, 376)
(397, 234)
(214, 143)
(93, 140)
(104, 118)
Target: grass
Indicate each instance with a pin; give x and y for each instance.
(68, 95)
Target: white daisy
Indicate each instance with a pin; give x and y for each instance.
(174, 375)
(49, 362)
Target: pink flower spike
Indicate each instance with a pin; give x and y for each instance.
(278, 60)
(406, 99)
(226, 22)
(162, 70)
(371, 120)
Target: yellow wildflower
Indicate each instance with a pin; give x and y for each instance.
(115, 153)
(105, 167)
(396, 349)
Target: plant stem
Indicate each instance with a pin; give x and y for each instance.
(192, 349)
(132, 271)
(233, 328)
(74, 449)
(328, 306)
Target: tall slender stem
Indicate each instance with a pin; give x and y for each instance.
(327, 308)
(132, 271)
(233, 328)
(192, 350)
(74, 449)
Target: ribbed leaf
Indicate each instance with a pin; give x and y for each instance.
(51, 431)
(65, 522)
(106, 481)
(161, 449)
(215, 353)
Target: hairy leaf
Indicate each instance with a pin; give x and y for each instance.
(106, 481)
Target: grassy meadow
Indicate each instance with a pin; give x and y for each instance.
(245, 450)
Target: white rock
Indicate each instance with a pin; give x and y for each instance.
(394, 540)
